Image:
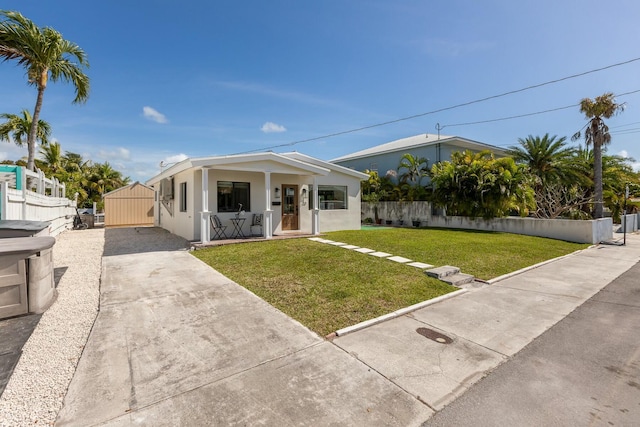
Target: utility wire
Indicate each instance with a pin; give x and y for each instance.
(621, 126)
(625, 131)
(464, 104)
(528, 114)
(510, 117)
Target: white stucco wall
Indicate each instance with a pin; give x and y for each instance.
(187, 224)
(180, 223)
(591, 231)
(341, 219)
(580, 231)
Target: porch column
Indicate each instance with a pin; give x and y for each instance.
(315, 215)
(205, 232)
(268, 213)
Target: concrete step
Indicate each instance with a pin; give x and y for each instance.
(458, 279)
(441, 272)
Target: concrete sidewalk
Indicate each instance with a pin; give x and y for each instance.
(480, 329)
(583, 371)
(176, 343)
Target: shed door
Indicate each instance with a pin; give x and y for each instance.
(290, 207)
(13, 290)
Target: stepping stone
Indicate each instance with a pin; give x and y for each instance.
(399, 259)
(350, 247)
(337, 243)
(324, 241)
(364, 250)
(380, 254)
(444, 271)
(316, 239)
(458, 279)
(420, 265)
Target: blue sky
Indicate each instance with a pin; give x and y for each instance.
(197, 78)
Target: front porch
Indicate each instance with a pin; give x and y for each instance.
(284, 188)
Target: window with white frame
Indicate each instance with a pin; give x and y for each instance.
(330, 196)
(231, 195)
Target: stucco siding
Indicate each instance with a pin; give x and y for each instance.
(170, 217)
(292, 169)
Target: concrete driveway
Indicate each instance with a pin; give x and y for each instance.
(176, 343)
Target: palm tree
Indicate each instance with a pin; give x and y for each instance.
(547, 158)
(77, 173)
(617, 172)
(416, 168)
(104, 179)
(52, 160)
(18, 127)
(45, 55)
(597, 134)
(479, 185)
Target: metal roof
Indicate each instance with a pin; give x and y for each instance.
(418, 141)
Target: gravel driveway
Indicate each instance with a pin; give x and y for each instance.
(36, 390)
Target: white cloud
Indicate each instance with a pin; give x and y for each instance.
(172, 160)
(634, 164)
(175, 158)
(270, 127)
(11, 151)
(153, 115)
(118, 153)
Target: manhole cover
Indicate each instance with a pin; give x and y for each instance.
(434, 335)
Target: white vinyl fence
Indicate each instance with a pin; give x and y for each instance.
(27, 195)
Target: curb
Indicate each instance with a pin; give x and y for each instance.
(397, 313)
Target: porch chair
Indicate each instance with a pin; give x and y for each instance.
(217, 227)
(256, 221)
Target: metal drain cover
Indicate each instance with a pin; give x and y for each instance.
(434, 336)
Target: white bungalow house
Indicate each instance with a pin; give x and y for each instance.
(435, 148)
(295, 193)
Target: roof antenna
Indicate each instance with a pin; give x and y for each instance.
(439, 128)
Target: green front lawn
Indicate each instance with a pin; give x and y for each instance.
(483, 254)
(328, 288)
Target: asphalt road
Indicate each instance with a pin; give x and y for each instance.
(584, 371)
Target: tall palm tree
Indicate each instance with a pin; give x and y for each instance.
(547, 158)
(18, 127)
(46, 56)
(597, 134)
(617, 172)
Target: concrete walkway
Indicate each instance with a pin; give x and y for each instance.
(176, 343)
